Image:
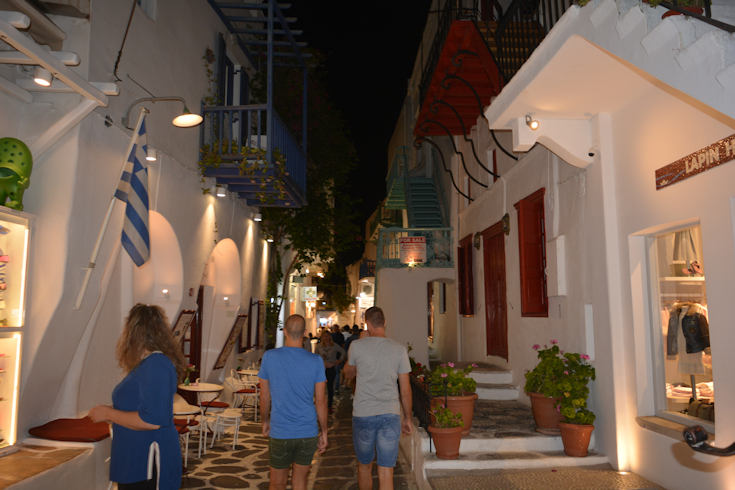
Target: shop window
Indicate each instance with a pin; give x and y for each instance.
(532, 253)
(682, 335)
(464, 270)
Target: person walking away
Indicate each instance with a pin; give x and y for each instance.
(338, 339)
(377, 421)
(293, 407)
(145, 444)
(333, 355)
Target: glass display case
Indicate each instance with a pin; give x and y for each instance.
(14, 238)
(680, 286)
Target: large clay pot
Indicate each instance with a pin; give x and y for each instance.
(463, 404)
(446, 441)
(545, 414)
(576, 438)
(694, 10)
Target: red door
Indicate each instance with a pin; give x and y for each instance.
(496, 319)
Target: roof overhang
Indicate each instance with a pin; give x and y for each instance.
(564, 85)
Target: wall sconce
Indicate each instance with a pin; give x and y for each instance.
(532, 123)
(165, 293)
(151, 155)
(506, 223)
(226, 300)
(269, 240)
(220, 191)
(477, 241)
(184, 120)
(257, 217)
(42, 76)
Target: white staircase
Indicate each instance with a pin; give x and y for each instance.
(502, 435)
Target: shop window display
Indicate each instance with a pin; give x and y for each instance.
(685, 331)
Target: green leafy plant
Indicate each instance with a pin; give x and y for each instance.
(445, 379)
(446, 419)
(564, 376)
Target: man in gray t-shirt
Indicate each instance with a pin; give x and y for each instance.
(377, 421)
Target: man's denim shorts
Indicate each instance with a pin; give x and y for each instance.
(377, 433)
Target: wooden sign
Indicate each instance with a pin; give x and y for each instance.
(230, 342)
(182, 325)
(700, 161)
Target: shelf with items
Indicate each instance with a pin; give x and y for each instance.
(14, 237)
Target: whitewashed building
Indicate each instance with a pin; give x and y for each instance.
(609, 219)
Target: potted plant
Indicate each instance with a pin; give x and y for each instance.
(576, 428)
(544, 389)
(446, 431)
(454, 389)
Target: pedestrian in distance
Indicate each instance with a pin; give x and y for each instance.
(333, 356)
(377, 420)
(293, 407)
(145, 445)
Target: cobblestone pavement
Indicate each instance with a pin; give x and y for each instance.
(247, 465)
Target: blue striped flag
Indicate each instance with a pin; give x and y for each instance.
(133, 190)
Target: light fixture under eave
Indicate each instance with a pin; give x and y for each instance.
(531, 122)
(42, 76)
(151, 154)
(220, 191)
(269, 240)
(184, 120)
(257, 217)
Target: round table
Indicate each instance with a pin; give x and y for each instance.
(200, 388)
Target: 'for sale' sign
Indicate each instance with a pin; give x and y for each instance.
(413, 249)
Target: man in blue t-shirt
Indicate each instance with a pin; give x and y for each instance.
(290, 379)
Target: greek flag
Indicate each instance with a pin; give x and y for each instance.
(133, 190)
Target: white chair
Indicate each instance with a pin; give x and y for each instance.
(228, 418)
(248, 395)
(182, 408)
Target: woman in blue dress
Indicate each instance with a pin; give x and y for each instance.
(145, 444)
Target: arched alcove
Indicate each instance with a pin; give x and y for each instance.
(160, 280)
(223, 292)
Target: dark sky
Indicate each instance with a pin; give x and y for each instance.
(370, 49)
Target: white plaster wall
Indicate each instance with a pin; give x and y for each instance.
(405, 313)
(707, 198)
(71, 187)
(445, 324)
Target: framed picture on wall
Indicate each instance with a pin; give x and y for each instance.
(182, 324)
(230, 342)
(244, 332)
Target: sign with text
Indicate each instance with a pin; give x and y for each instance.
(413, 249)
(700, 161)
(308, 293)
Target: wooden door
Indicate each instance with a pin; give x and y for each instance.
(496, 317)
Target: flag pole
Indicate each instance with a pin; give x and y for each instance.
(90, 267)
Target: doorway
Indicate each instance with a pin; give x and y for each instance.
(441, 320)
(496, 315)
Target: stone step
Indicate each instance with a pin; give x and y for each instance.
(492, 376)
(506, 443)
(508, 460)
(489, 391)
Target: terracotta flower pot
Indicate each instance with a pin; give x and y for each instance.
(446, 441)
(576, 438)
(545, 414)
(463, 404)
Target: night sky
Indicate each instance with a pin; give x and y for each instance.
(370, 49)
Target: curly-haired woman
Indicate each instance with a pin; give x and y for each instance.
(145, 444)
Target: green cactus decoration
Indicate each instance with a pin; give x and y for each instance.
(15, 172)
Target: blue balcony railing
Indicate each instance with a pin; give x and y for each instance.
(438, 247)
(235, 145)
(367, 268)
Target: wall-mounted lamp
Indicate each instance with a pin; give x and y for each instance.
(220, 191)
(184, 120)
(531, 122)
(257, 217)
(151, 154)
(226, 300)
(42, 76)
(477, 241)
(164, 293)
(269, 240)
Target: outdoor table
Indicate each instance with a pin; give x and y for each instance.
(199, 389)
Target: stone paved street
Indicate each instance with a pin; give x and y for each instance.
(247, 465)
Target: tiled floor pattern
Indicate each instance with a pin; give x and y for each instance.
(247, 465)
